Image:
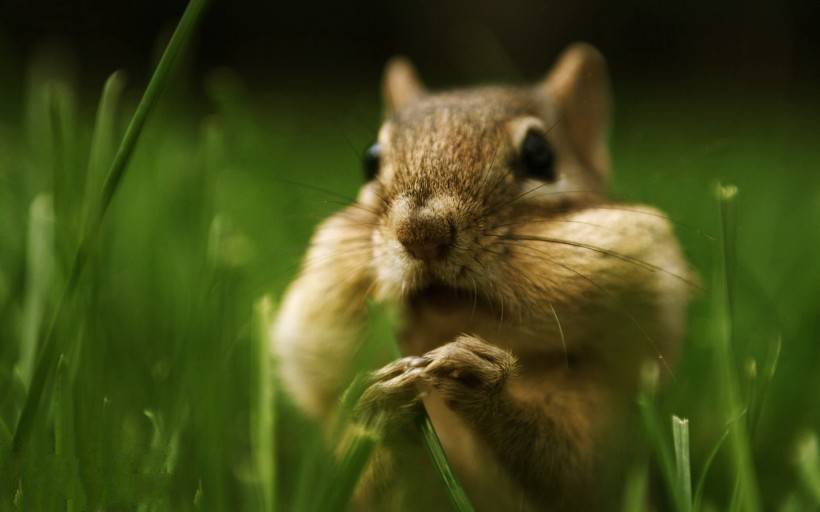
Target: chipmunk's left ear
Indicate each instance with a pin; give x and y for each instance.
(579, 85)
(400, 84)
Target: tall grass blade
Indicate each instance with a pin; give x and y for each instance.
(263, 421)
(707, 465)
(761, 392)
(432, 442)
(656, 437)
(40, 266)
(808, 466)
(680, 439)
(159, 80)
(64, 435)
(65, 170)
(739, 443)
(635, 489)
(359, 441)
(458, 497)
(103, 140)
(5, 438)
(357, 447)
(355, 443)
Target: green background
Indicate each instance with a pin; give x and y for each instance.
(159, 399)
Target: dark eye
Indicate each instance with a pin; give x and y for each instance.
(537, 157)
(370, 161)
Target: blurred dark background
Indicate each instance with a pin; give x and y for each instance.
(287, 45)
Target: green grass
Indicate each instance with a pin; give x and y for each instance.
(155, 395)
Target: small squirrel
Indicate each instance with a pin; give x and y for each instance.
(529, 300)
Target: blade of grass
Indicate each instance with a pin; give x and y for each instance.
(337, 482)
(680, 438)
(758, 399)
(65, 172)
(102, 141)
(740, 447)
(635, 489)
(655, 432)
(793, 503)
(159, 80)
(458, 497)
(701, 485)
(40, 267)
(358, 447)
(262, 419)
(344, 430)
(358, 450)
(65, 437)
(5, 438)
(808, 466)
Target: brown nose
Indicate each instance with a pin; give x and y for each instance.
(426, 238)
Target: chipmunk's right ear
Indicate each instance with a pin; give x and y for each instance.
(400, 84)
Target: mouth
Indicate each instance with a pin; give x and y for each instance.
(410, 280)
(444, 298)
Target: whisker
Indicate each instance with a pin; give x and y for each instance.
(629, 259)
(348, 247)
(352, 274)
(501, 316)
(315, 188)
(504, 176)
(354, 149)
(674, 222)
(354, 220)
(603, 206)
(319, 265)
(518, 197)
(345, 200)
(622, 310)
(475, 297)
(541, 220)
(350, 244)
(494, 208)
(560, 333)
(488, 173)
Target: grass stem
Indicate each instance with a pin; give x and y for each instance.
(458, 497)
(739, 442)
(47, 360)
(680, 438)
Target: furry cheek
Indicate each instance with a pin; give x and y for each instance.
(396, 273)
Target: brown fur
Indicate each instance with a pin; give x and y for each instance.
(525, 338)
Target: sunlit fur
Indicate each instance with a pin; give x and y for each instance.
(453, 156)
(578, 290)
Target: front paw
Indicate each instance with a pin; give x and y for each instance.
(469, 373)
(391, 397)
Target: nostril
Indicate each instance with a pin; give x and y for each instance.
(426, 238)
(427, 250)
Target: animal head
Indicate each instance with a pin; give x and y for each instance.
(451, 171)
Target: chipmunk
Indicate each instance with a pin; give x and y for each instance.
(529, 300)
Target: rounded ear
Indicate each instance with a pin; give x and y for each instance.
(400, 84)
(579, 85)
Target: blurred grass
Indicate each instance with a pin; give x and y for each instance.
(94, 206)
(163, 402)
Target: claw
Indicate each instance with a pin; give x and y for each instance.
(417, 361)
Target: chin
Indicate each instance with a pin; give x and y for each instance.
(401, 278)
(396, 280)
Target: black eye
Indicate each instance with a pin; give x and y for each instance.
(370, 161)
(537, 157)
